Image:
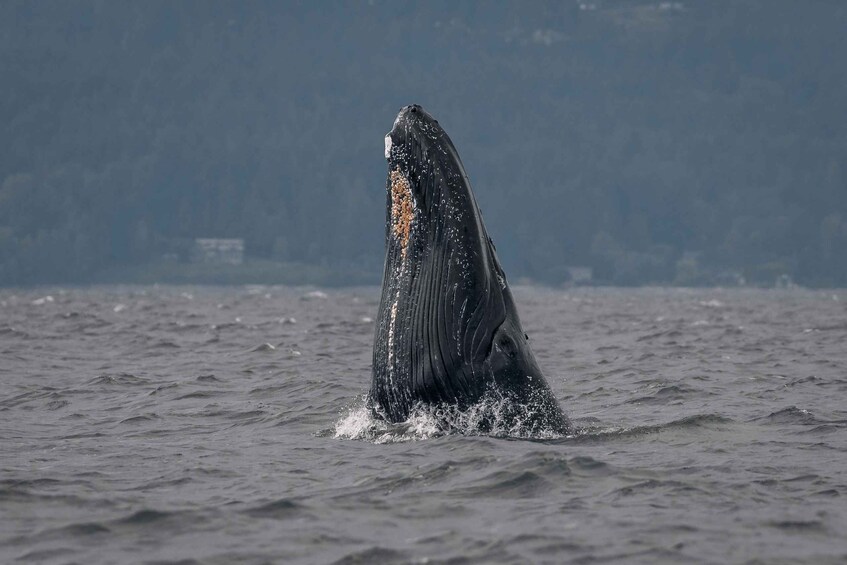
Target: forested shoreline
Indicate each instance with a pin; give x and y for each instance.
(688, 143)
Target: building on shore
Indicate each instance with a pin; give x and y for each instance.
(579, 276)
(214, 250)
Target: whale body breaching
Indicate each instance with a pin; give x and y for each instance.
(447, 331)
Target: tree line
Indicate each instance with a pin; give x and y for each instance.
(655, 142)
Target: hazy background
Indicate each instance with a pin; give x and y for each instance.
(684, 142)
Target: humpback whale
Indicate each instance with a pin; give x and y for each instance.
(447, 330)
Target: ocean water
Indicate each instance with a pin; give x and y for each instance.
(226, 425)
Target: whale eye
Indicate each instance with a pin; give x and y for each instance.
(506, 345)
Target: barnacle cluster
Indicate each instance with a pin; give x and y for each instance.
(402, 210)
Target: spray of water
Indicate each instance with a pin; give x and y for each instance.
(494, 415)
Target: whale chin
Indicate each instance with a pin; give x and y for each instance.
(447, 332)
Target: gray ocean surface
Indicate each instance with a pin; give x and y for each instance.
(226, 425)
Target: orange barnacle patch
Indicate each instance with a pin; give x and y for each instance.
(402, 211)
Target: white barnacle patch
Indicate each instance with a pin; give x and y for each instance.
(391, 324)
(387, 145)
(402, 210)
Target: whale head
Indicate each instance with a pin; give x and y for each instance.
(447, 328)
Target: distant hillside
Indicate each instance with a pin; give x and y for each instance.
(655, 142)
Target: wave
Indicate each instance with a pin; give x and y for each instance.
(606, 433)
(277, 509)
(375, 554)
(140, 419)
(146, 516)
(127, 379)
(666, 394)
(75, 530)
(808, 422)
(791, 415)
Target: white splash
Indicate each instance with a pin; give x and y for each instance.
(359, 423)
(315, 294)
(493, 415)
(355, 424)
